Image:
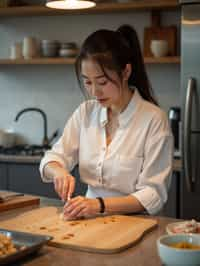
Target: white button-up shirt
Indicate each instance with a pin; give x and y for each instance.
(138, 161)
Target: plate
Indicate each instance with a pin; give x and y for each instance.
(170, 228)
(25, 243)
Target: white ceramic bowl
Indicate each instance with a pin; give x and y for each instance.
(177, 256)
(159, 48)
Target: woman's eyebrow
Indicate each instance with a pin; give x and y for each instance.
(96, 77)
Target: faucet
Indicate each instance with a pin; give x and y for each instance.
(45, 141)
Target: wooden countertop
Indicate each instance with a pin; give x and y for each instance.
(143, 252)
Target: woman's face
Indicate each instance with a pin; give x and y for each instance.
(107, 92)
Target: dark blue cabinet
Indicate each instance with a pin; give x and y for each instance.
(25, 178)
(3, 177)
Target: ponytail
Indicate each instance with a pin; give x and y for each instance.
(138, 77)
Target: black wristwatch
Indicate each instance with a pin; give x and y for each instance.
(102, 204)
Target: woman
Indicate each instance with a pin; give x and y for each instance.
(120, 139)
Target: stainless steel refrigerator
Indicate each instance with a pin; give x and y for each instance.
(189, 194)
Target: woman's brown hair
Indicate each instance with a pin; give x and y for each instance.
(113, 50)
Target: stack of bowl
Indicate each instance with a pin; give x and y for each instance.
(68, 49)
(49, 48)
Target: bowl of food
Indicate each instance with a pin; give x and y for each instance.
(179, 249)
(183, 227)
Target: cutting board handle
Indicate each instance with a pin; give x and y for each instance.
(155, 19)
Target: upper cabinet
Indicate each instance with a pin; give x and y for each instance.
(111, 7)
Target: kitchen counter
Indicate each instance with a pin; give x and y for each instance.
(20, 158)
(36, 159)
(144, 251)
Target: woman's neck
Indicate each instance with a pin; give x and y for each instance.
(126, 98)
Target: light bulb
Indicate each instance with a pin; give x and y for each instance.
(70, 4)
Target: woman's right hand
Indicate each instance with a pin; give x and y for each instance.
(64, 184)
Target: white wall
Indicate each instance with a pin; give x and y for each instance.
(54, 88)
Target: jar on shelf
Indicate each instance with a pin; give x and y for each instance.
(30, 47)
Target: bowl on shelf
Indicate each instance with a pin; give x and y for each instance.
(159, 48)
(68, 49)
(179, 249)
(49, 48)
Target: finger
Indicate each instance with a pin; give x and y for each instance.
(74, 200)
(60, 186)
(82, 213)
(70, 206)
(65, 189)
(56, 184)
(77, 198)
(73, 214)
(71, 188)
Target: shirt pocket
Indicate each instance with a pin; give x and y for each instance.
(125, 173)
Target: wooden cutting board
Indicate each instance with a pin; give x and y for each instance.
(19, 202)
(105, 234)
(158, 32)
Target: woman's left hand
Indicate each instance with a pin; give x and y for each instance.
(80, 207)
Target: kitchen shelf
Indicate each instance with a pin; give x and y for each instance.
(99, 8)
(71, 61)
(38, 61)
(162, 60)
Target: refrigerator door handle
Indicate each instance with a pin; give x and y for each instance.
(187, 135)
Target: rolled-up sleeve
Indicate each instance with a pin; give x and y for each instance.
(65, 150)
(155, 177)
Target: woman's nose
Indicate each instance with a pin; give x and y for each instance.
(95, 90)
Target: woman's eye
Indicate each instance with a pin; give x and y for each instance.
(103, 83)
(88, 83)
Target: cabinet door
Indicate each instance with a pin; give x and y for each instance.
(3, 176)
(26, 178)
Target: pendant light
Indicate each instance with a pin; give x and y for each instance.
(70, 4)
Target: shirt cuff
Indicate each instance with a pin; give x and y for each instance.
(48, 159)
(150, 199)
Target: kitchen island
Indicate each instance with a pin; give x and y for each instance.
(143, 253)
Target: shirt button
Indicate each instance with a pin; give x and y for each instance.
(104, 149)
(99, 164)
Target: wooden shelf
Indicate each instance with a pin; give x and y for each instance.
(100, 8)
(162, 60)
(71, 61)
(38, 61)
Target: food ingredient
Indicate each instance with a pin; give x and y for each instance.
(184, 245)
(6, 246)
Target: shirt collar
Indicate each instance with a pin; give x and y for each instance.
(103, 116)
(127, 114)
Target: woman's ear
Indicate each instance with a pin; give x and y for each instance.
(127, 71)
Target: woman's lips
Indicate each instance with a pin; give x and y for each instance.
(102, 100)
